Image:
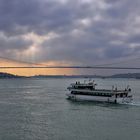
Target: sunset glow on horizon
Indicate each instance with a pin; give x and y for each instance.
(36, 71)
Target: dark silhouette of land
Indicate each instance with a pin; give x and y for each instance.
(8, 75)
(127, 75)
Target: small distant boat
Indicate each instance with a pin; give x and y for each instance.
(87, 91)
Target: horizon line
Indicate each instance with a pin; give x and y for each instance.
(70, 67)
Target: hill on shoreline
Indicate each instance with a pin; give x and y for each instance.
(8, 75)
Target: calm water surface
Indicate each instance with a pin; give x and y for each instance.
(32, 109)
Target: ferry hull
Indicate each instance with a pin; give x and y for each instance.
(99, 98)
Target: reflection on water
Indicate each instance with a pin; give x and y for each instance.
(38, 110)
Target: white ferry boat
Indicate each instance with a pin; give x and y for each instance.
(87, 91)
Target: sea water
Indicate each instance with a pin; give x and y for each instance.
(37, 109)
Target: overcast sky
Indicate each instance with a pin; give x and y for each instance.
(72, 32)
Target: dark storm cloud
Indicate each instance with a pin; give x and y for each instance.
(134, 38)
(40, 16)
(13, 44)
(118, 51)
(86, 30)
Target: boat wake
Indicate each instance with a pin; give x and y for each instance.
(133, 103)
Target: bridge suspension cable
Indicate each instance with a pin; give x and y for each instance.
(40, 66)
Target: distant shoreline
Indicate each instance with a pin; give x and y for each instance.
(128, 75)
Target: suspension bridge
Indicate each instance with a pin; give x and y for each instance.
(42, 66)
